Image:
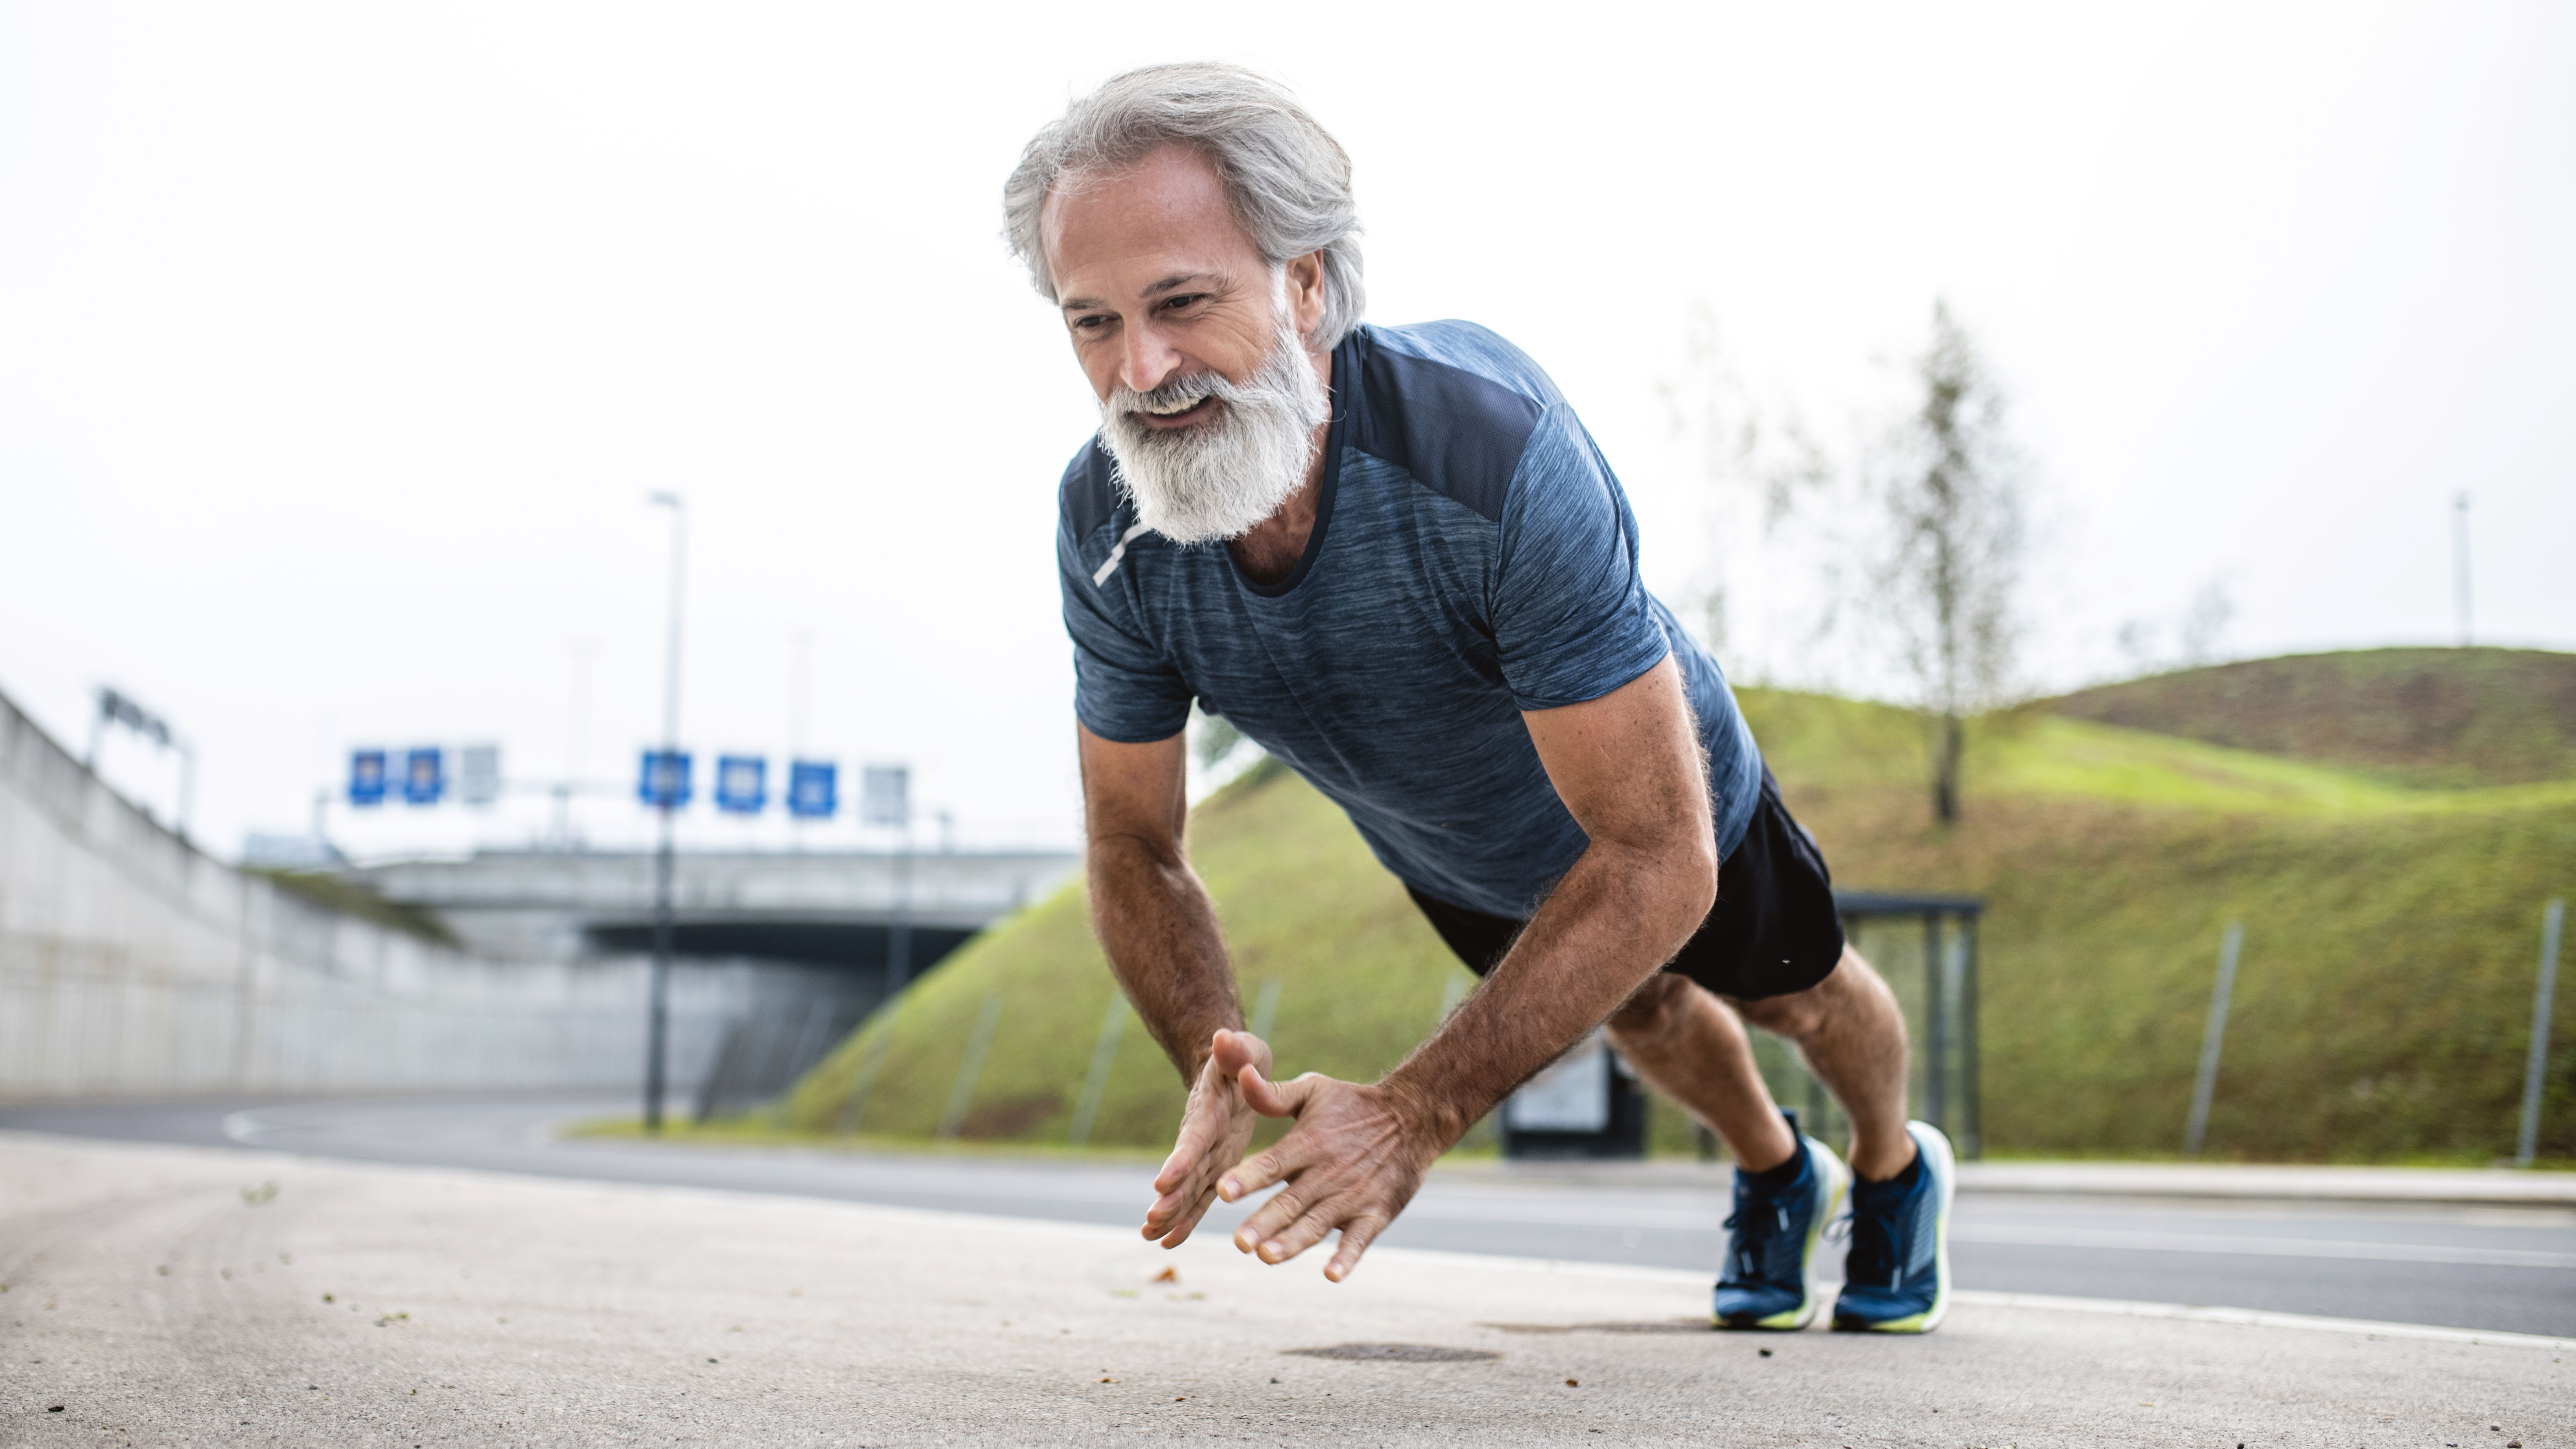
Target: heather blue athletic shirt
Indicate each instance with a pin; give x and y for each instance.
(1472, 557)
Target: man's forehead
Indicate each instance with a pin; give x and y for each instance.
(1164, 218)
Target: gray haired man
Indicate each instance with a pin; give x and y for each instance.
(1393, 557)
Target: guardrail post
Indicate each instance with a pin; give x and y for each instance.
(1971, 1100)
(1936, 1022)
(962, 1095)
(2536, 1071)
(1095, 1084)
(2205, 1084)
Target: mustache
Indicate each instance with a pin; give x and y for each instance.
(1176, 394)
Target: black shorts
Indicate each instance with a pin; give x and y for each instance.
(1772, 932)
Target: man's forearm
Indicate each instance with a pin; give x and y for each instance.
(1613, 921)
(1160, 930)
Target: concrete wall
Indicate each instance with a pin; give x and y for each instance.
(132, 963)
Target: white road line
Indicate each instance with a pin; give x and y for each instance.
(1458, 1210)
(2256, 1318)
(2131, 1241)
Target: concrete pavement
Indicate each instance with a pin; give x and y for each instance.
(2490, 1266)
(164, 1295)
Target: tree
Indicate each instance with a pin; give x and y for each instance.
(1755, 464)
(1948, 484)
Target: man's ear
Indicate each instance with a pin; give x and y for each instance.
(1306, 294)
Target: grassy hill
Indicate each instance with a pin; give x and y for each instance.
(1360, 978)
(2435, 717)
(2381, 1011)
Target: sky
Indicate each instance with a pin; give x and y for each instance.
(341, 345)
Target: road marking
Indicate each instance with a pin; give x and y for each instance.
(1458, 1210)
(2256, 1318)
(2236, 1245)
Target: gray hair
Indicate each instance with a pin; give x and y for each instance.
(1288, 181)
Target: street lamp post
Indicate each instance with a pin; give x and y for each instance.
(2460, 562)
(658, 1028)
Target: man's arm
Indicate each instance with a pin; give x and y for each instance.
(1159, 928)
(1629, 768)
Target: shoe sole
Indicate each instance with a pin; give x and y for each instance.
(1936, 1146)
(1834, 1179)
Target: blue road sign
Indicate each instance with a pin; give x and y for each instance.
(665, 779)
(424, 777)
(813, 789)
(366, 777)
(742, 784)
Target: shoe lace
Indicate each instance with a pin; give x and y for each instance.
(1872, 1258)
(1754, 1232)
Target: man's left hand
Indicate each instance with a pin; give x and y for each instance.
(1354, 1159)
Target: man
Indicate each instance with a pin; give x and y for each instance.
(1392, 556)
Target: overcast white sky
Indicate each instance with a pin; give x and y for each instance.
(340, 344)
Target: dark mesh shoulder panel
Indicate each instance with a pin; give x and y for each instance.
(1089, 494)
(1458, 434)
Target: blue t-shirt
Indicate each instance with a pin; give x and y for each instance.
(1472, 558)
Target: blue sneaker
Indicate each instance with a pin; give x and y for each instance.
(1770, 1277)
(1897, 1275)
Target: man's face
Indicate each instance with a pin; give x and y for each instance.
(1192, 340)
(1157, 280)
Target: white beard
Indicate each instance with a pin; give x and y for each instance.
(1220, 478)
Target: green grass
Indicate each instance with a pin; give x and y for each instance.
(1361, 979)
(2044, 755)
(2392, 934)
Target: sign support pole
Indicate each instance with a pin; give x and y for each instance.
(657, 1031)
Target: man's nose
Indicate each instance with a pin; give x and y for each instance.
(1147, 361)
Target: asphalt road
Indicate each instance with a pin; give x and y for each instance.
(2503, 1268)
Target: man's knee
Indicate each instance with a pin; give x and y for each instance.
(1653, 1009)
(1801, 1013)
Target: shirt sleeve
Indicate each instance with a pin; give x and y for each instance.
(1572, 620)
(1124, 689)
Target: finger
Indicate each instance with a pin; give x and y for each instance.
(1189, 1222)
(1232, 1051)
(1252, 1174)
(1357, 1234)
(1274, 1099)
(1200, 1127)
(1203, 1126)
(1193, 1187)
(1273, 1218)
(1300, 1235)
(1173, 1198)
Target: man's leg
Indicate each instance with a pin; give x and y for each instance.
(1693, 1049)
(1850, 1031)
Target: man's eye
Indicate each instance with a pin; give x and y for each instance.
(1089, 324)
(1184, 301)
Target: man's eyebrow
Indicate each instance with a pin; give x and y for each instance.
(1168, 284)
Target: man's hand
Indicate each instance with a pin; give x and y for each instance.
(1215, 1128)
(1354, 1159)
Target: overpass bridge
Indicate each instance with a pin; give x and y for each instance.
(829, 935)
(856, 913)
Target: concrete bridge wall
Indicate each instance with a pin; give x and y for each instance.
(130, 962)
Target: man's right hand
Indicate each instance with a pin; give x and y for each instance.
(1215, 1129)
